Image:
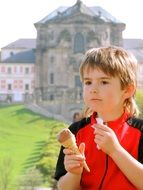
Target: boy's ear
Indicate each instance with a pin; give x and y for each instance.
(130, 91)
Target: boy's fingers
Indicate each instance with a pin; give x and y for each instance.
(103, 128)
(67, 151)
(82, 148)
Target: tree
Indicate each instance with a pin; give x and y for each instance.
(31, 179)
(6, 167)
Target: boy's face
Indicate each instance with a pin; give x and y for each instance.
(103, 93)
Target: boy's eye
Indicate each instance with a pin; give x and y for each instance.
(87, 82)
(104, 82)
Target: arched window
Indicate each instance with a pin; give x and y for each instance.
(79, 45)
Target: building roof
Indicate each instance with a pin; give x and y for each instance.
(135, 46)
(96, 11)
(133, 43)
(22, 57)
(22, 44)
(138, 54)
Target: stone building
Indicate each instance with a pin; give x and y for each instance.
(62, 39)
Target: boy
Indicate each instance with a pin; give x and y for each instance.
(114, 149)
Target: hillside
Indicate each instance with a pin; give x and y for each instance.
(21, 133)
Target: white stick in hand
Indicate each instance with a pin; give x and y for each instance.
(99, 121)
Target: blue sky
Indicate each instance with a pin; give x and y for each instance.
(17, 17)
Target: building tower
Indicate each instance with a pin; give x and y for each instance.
(62, 38)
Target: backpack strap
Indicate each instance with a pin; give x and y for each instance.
(138, 124)
(140, 150)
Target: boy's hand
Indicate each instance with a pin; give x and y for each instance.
(73, 162)
(106, 139)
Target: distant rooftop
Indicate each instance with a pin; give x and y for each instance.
(22, 44)
(138, 54)
(95, 11)
(133, 43)
(22, 57)
(135, 46)
(31, 44)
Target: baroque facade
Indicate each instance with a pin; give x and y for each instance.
(62, 39)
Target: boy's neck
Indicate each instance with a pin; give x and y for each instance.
(109, 117)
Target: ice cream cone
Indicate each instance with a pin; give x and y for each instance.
(67, 139)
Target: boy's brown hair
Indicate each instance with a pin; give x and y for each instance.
(115, 62)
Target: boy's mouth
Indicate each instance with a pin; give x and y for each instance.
(96, 99)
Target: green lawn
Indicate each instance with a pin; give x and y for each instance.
(139, 97)
(21, 132)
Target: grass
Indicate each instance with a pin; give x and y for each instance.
(21, 133)
(139, 99)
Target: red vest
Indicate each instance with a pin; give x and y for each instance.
(104, 174)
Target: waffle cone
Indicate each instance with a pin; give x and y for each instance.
(70, 143)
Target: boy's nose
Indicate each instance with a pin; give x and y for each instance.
(94, 89)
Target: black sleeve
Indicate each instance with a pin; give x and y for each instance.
(138, 124)
(140, 152)
(60, 169)
(74, 128)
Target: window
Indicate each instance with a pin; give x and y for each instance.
(15, 84)
(52, 59)
(3, 69)
(33, 84)
(3, 84)
(33, 69)
(11, 53)
(15, 69)
(51, 35)
(26, 70)
(79, 46)
(51, 97)
(9, 86)
(26, 86)
(51, 78)
(9, 70)
(21, 69)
